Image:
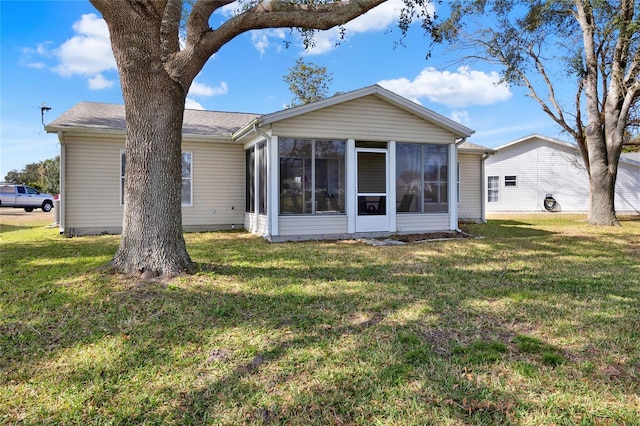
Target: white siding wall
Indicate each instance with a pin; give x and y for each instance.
(628, 188)
(541, 168)
(367, 118)
(92, 192)
(470, 206)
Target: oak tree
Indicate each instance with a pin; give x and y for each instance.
(596, 45)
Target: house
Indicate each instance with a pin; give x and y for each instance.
(524, 173)
(366, 162)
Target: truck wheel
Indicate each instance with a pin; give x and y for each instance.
(28, 209)
(47, 206)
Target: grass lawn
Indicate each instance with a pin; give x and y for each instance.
(536, 323)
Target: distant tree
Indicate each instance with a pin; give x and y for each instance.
(596, 43)
(43, 176)
(160, 47)
(308, 82)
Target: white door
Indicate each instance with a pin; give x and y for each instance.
(371, 184)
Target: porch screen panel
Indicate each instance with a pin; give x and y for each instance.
(329, 176)
(312, 176)
(408, 177)
(262, 178)
(436, 178)
(295, 176)
(422, 178)
(371, 172)
(250, 169)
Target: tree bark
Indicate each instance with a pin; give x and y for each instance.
(152, 241)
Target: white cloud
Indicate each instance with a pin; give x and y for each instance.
(199, 89)
(88, 53)
(462, 88)
(461, 117)
(36, 65)
(377, 19)
(261, 39)
(191, 104)
(98, 82)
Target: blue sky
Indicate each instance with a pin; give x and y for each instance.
(57, 53)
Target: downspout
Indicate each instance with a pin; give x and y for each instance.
(483, 189)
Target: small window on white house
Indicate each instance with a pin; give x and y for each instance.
(187, 177)
(493, 189)
(510, 181)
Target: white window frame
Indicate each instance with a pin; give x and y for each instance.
(495, 188)
(512, 183)
(190, 178)
(190, 204)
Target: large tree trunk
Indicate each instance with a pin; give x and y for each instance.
(152, 242)
(602, 177)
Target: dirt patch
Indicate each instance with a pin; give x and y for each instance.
(18, 217)
(430, 236)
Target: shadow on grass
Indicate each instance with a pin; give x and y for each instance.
(319, 333)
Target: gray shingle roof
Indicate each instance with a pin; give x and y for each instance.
(101, 116)
(472, 147)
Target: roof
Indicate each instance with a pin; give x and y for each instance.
(474, 148)
(110, 117)
(531, 137)
(628, 158)
(375, 90)
(93, 116)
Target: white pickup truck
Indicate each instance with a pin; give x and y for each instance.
(24, 197)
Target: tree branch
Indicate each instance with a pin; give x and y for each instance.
(169, 28)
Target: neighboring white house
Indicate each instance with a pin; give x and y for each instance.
(367, 162)
(525, 172)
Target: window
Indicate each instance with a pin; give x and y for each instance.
(186, 179)
(422, 178)
(262, 177)
(510, 181)
(312, 176)
(493, 189)
(187, 173)
(250, 180)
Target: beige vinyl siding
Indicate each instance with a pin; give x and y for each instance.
(218, 185)
(367, 118)
(312, 225)
(92, 192)
(470, 206)
(414, 222)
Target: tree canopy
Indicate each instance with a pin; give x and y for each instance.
(308, 82)
(43, 175)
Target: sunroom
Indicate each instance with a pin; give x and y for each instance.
(364, 163)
